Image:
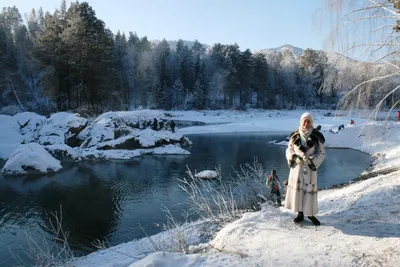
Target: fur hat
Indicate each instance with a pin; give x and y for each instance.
(307, 116)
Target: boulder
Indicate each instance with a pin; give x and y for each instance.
(31, 158)
(29, 125)
(62, 128)
(140, 129)
(62, 152)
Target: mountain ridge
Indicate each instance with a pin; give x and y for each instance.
(333, 57)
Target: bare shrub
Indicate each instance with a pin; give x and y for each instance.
(54, 252)
(223, 200)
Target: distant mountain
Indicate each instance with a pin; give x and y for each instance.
(297, 51)
(172, 44)
(339, 60)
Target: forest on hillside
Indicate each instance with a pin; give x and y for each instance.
(70, 60)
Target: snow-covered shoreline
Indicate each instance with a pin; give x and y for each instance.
(360, 222)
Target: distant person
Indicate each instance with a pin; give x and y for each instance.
(173, 126)
(274, 185)
(305, 153)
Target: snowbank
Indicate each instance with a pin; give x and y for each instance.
(7, 149)
(63, 132)
(165, 259)
(10, 137)
(31, 156)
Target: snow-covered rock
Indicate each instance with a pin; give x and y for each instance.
(131, 130)
(62, 128)
(29, 124)
(29, 157)
(62, 151)
(94, 154)
(206, 174)
(169, 150)
(147, 131)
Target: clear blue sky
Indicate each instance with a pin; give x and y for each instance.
(253, 24)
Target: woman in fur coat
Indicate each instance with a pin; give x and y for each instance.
(305, 153)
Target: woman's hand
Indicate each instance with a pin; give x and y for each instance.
(299, 161)
(299, 152)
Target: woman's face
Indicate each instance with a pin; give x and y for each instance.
(306, 124)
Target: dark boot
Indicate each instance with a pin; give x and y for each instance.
(299, 218)
(314, 220)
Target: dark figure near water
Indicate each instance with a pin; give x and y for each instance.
(155, 125)
(172, 126)
(274, 185)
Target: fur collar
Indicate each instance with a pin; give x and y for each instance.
(315, 137)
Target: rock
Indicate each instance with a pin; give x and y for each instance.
(185, 142)
(206, 174)
(130, 130)
(30, 125)
(31, 158)
(62, 152)
(128, 143)
(71, 136)
(62, 128)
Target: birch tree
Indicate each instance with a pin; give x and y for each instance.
(369, 29)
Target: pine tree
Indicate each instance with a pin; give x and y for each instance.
(178, 95)
(231, 75)
(260, 79)
(11, 32)
(314, 63)
(289, 78)
(198, 94)
(245, 70)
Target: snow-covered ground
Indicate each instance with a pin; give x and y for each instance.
(360, 223)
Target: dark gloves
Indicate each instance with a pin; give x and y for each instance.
(295, 159)
(305, 160)
(311, 165)
(292, 160)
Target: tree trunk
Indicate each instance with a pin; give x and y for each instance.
(15, 93)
